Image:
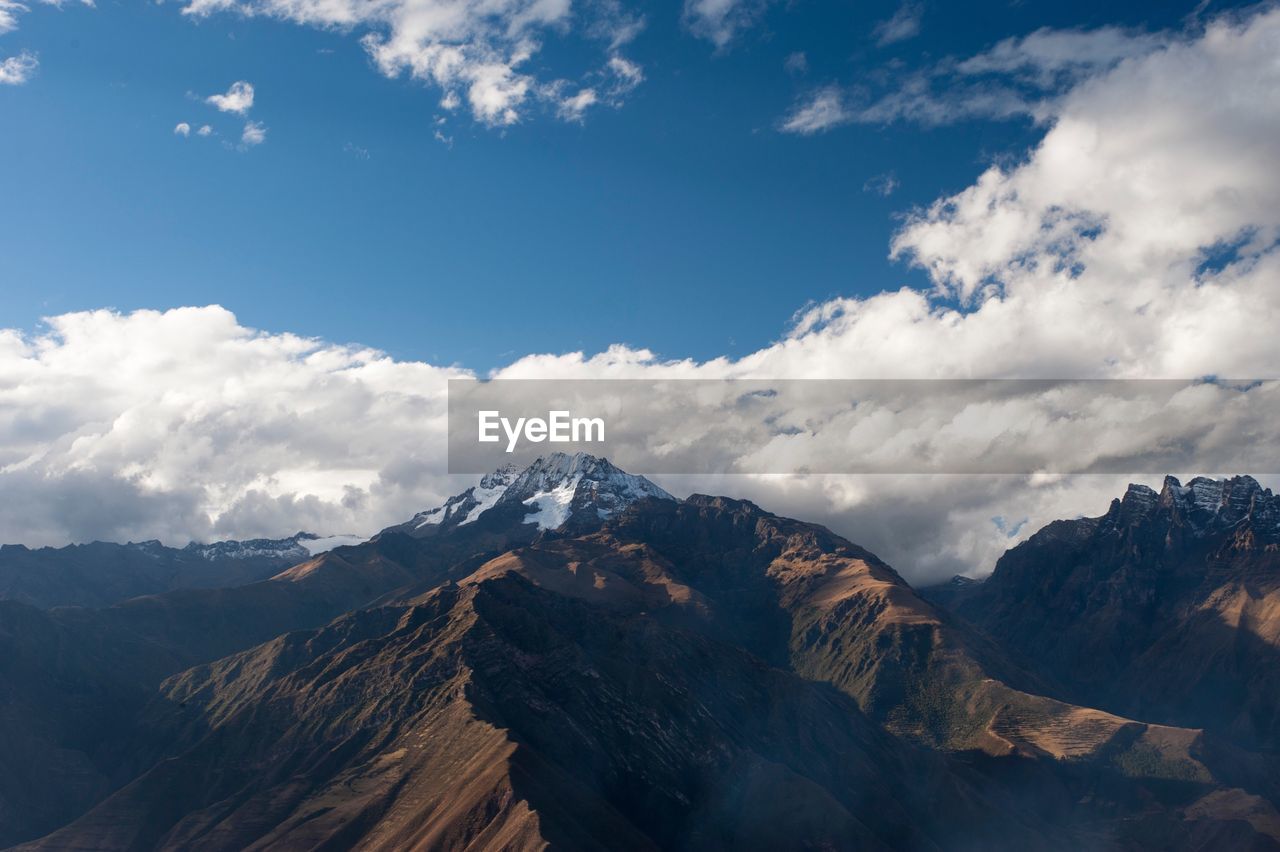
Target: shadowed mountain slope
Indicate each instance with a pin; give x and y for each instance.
(100, 574)
(500, 715)
(1165, 608)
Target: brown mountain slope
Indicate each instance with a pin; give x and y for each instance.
(1165, 608)
(807, 600)
(504, 716)
(72, 679)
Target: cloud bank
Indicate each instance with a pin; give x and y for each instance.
(1138, 239)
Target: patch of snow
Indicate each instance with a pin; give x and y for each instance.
(485, 499)
(553, 506)
(475, 501)
(434, 516)
(316, 546)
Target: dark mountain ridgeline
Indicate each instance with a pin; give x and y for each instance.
(101, 573)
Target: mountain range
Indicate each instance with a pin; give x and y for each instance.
(102, 573)
(569, 657)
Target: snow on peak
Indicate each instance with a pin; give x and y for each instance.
(553, 507)
(556, 487)
(560, 485)
(1218, 503)
(315, 545)
(300, 546)
(466, 507)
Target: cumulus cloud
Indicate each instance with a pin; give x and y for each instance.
(17, 70)
(254, 133)
(9, 11)
(238, 99)
(1137, 239)
(202, 424)
(205, 130)
(476, 51)
(182, 129)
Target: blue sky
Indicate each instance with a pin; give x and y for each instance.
(682, 220)
(1077, 191)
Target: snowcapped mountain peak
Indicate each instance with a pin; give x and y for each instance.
(555, 489)
(561, 486)
(1204, 506)
(501, 477)
(1218, 503)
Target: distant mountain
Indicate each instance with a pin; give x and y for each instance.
(646, 673)
(1166, 607)
(101, 573)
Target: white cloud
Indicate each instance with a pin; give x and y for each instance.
(205, 130)
(17, 70)
(254, 134)
(883, 185)
(477, 50)
(573, 108)
(205, 428)
(627, 75)
(904, 24)
(1046, 54)
(238, 99)
(9, 11)
(1137, 239)
(611, 84)
(182, 129)
(1021, 76)
(720, 21)
(822, 110)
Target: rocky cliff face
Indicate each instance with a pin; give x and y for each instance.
(1167, 607)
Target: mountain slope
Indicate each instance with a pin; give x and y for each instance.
(1166, 608)
(806, 600)
(648, 673)
(504, 716)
